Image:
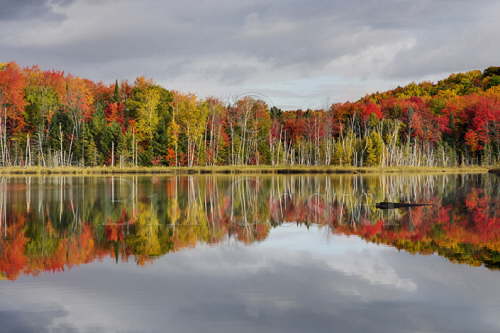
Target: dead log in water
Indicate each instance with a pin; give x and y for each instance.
(394, 205)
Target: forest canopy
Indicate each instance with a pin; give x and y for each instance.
(50, 118)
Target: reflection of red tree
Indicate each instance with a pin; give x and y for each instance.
(13, 258)
(369, 230)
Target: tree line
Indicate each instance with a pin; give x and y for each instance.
(49, 118)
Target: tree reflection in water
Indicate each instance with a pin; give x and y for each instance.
(55, 223)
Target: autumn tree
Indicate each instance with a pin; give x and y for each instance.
(12, 122)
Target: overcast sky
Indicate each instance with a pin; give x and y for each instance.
(298, 280)
(292, 53)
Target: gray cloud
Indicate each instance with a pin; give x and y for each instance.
(220, 47)
(34, 321)
(30, 9)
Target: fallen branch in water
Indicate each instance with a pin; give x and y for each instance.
(394, 205)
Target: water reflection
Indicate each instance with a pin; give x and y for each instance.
(55, 223)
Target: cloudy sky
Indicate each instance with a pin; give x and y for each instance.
(292, 53)
(297, 280)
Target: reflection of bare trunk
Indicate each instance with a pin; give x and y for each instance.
(28, 194)
(134, 197)
(112, 189)
(61, 198)
(3, 206)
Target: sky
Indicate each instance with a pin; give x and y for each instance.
(290, 53)
(298, 280)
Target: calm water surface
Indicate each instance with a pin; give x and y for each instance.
(249, 254)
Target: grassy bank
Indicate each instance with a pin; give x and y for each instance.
(234, 170)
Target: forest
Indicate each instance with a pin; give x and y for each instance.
(51, 119)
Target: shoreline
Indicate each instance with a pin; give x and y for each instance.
(6, 171)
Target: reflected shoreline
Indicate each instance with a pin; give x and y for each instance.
(55, 223)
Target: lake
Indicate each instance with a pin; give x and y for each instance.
(250, 253)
